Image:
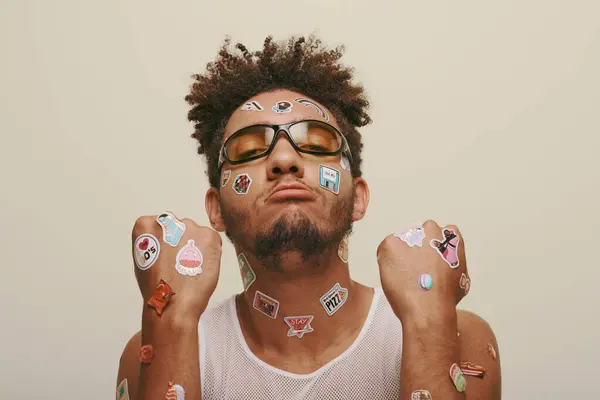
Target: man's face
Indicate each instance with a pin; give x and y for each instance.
(301, 221)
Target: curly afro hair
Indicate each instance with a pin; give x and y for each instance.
(299, 64)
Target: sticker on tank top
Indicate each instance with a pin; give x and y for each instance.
(172, 228)
(334, 299)
(146, 354)
(448, 247)
(465, 283)
(420, 394)
(343, 250)
(248, 275)
(299, 325)
(175, 392)
(265, 304)
(472, 369)
(123, 390)
(457, 377)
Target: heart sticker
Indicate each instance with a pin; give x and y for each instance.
(145, 251)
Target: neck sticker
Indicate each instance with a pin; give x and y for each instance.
(189, 259)
(173, 228)
(299, 325)
(242, 183)
(334, 299)
(448, 248)
(329, 178)
(248, 275)
(123, 390)
(145, 251)
(265, 305)
(309, 103)
(283, 106)
(343, 250)
(252, 106)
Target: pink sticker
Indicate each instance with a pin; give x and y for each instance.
(189, 259)
(448, 248)
(265, 304)
(299, 325)
(465, 283)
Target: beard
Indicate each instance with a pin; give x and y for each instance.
(292, 232)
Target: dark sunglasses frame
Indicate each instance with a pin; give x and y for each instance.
(344, 148)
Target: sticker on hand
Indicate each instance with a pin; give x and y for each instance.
(189, 259)
(448, 248)
(145, 251)
(173, 228)
(412, 235)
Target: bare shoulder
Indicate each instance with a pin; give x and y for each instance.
(129, 365)
(479, 350)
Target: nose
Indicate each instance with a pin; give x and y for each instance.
(284, 159)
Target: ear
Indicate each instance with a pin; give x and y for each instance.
(213, 209)
(361, 198)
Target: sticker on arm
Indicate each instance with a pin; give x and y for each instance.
(123, 390)
(175, 392)
(420, 394)
(161, 297)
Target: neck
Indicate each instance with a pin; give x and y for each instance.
(298, 288)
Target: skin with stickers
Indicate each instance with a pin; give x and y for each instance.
(287, 213)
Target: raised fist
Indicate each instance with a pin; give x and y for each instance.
(177, 263)
(423, 268)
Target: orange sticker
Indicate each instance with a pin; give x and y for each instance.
(146, 354)
(472, 369)
(161, 297)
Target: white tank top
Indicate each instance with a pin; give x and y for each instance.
(369, 369)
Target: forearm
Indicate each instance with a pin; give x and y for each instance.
(175, 342)
(430, 347)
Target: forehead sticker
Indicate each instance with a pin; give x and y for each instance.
(299, 325)
(248, 276)
(344, 163)
(145, 251)
(420, 394)
(460, 383)
(334, 299)
(225, 177)
(412, 235)
(161, 297)
(252, 106)
(425, 282)
(448, 247)
(309, 103)
(175, 392)
(283, 106)
(343, 250)
(189, 259)
(465, 283)
(329, 178)
(265, 304)
(242, 183)
(172, 228)
(123, 390)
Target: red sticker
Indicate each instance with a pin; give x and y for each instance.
(161, 297)
(146, 354)
(299, 325)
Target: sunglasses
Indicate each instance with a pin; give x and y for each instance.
(307, 136)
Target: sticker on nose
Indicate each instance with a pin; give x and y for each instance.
(283, 107)
(308, 103)
(241, 184)
(145, 251)
(329, 178)
(252, 106)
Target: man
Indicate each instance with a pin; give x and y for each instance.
(279, 131)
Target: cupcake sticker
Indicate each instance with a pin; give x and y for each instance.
(189, 260)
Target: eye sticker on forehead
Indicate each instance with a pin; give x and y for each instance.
(308, 103)
(329, 178)
(252, 106)
(241, 184)
(283, 106)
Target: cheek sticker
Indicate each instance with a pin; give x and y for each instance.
(448, 248)
(425, 282)
(248, 276)
(458, 379)
(344, 163)
(241, 184)
(145, 251)
(465, 283)
(265, 304)
(472, 369)
(252, 106)
(175, 392)
(299, 325)
(283, 106)
(173, 228)
(412, 235)
(334, 299)
(329, 178)
(343, 250)
(225, 177)
(308, 103)
(189, 259)
(420, 394)
(161, 297)
(123, 390)
(146, 354)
